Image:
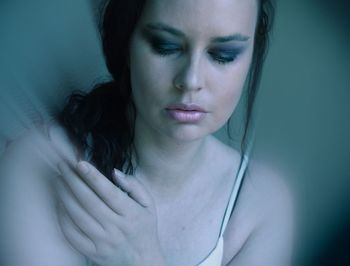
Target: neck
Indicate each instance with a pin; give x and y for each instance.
(165, 164)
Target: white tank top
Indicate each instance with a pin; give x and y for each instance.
(214, 258)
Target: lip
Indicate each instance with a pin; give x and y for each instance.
(186, 107)
(186, 113)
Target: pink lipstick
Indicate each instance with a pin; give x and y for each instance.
(186, 113)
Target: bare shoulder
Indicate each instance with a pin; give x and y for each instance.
(29, 222)
(262, 221)
(267, 185)
(224, 157)
(41, 144)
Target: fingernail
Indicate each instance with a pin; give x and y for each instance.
(83, 167)
(118, 173)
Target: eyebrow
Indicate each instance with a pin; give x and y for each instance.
(163, 27)
(234, 37)
(221, 39)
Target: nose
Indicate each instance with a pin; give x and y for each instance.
(189, 76)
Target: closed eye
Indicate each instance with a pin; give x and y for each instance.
(165, 48)
(224, 56)
(161, 46)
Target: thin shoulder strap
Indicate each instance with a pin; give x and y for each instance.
(234, 193)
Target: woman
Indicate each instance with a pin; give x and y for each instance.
(158, 189)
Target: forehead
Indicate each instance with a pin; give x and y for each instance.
(204, 17)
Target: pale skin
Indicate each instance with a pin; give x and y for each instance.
(160, 216)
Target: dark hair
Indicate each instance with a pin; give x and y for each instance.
(102, 121)
(263, 28)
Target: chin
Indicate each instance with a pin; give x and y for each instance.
(188, 134)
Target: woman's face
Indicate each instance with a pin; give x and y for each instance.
(189, 60)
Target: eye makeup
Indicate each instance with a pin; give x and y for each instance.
(225, 55)
(166, 46)
(160, 45)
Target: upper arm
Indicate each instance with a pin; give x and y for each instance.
(30, 233)
(271, 215)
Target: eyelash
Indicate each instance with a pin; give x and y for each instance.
(160, 50)
(223, 59)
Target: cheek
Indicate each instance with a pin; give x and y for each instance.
(147, 84)
(230, 90)
(141, 78)
(227, 103)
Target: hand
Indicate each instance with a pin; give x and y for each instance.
(108, 224)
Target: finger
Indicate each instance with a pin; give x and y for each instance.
(113, 196)
(74, 236)
(86, 196)
(86, 223)
(50, 152)
(133, 187)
